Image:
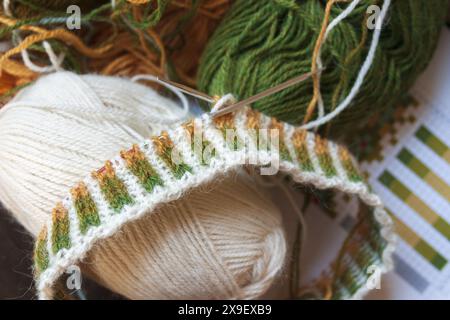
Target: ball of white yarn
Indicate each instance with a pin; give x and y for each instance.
(223, 240)
(54, 132)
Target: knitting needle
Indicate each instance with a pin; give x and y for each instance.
(187, 90)
(240, 104)
(266, 93)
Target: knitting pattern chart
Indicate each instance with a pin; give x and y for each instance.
(411, 173)
(414, 181)
(406, 157)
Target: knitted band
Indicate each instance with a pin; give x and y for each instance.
(136, 181)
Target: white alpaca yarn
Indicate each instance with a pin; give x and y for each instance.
(223, 240)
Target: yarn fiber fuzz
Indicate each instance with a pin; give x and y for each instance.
(260, 44)
(220, 241)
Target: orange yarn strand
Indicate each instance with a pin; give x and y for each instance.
(313, 103)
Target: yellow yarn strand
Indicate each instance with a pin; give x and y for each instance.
(17, 69)
(43, 34)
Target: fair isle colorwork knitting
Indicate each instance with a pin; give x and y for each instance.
(309, 160)
(222, 241)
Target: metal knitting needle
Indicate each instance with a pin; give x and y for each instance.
(187, 90)
(245, 102)
(264, 94)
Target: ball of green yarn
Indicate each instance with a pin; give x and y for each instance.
(263, 43)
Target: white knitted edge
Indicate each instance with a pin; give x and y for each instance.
(224, 161)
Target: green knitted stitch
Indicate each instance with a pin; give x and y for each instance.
(116, 194)
(204, 161)
(112, 187)
(351, 171)
(339, 291)
(367, 257)
(60, 229)
(361, 250)
(178, 169)
(260, 141)
(356, 275)
(234, 144)
(352, 280)
(254, 126)
(375, 240)
(284, 152)
(260, 44)
(304, 160)
(349, 167)
(164, 148)
(199, 145)
(41, 256)
(85, 207)
(141, 168)
(325, 160)
(227, 127)
(301, 151)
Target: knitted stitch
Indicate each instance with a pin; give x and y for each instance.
(112, 187)
(85, 207)
(138, 180)
(60, 232)
(139, 166)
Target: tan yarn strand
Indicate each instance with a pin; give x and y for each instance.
(316, 77)
(17, 69)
